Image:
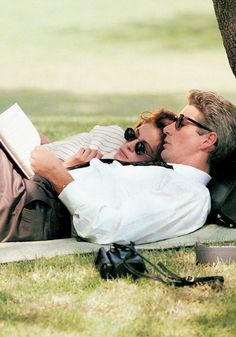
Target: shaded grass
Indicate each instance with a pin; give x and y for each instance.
(60, 114)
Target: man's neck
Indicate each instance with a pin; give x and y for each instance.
(199, 164)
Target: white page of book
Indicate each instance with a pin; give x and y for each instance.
(19, 136)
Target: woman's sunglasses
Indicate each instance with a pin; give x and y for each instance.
(141, 146)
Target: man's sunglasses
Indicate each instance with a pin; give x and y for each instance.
(179, 122)
(141, 146)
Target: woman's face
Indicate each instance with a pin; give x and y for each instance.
(150, 135)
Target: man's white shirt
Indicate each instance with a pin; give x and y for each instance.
(115, 203)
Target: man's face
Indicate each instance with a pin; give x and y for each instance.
(150, 135)
(182, 145)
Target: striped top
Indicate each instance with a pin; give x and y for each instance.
(106, 139)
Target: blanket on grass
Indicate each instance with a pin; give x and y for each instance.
(18, 251)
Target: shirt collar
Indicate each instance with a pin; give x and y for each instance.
(193, 173)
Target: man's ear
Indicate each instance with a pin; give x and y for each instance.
(209, 141)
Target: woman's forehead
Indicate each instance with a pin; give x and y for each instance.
(149, 132)
(147, 127)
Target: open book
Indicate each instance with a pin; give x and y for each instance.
(19, 137)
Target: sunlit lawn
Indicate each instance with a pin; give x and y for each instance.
(70, 65)
(66, 297)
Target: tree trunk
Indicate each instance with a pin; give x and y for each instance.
(225, 11)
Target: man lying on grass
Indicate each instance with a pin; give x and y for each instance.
(119, 203)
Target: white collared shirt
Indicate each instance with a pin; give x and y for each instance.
(115, 203)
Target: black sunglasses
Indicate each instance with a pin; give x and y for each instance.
(140, 147)
(179, 122)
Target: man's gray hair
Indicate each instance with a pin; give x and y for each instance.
(220, 116)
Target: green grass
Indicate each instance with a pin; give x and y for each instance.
(63, 114)
(73, 64)
(66, 297)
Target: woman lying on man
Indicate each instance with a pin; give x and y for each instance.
(142, 143)
(27, 213)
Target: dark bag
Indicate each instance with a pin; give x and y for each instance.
(117, 261)
(124, 260)
(222, 188)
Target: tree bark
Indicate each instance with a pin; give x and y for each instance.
(225, 11)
